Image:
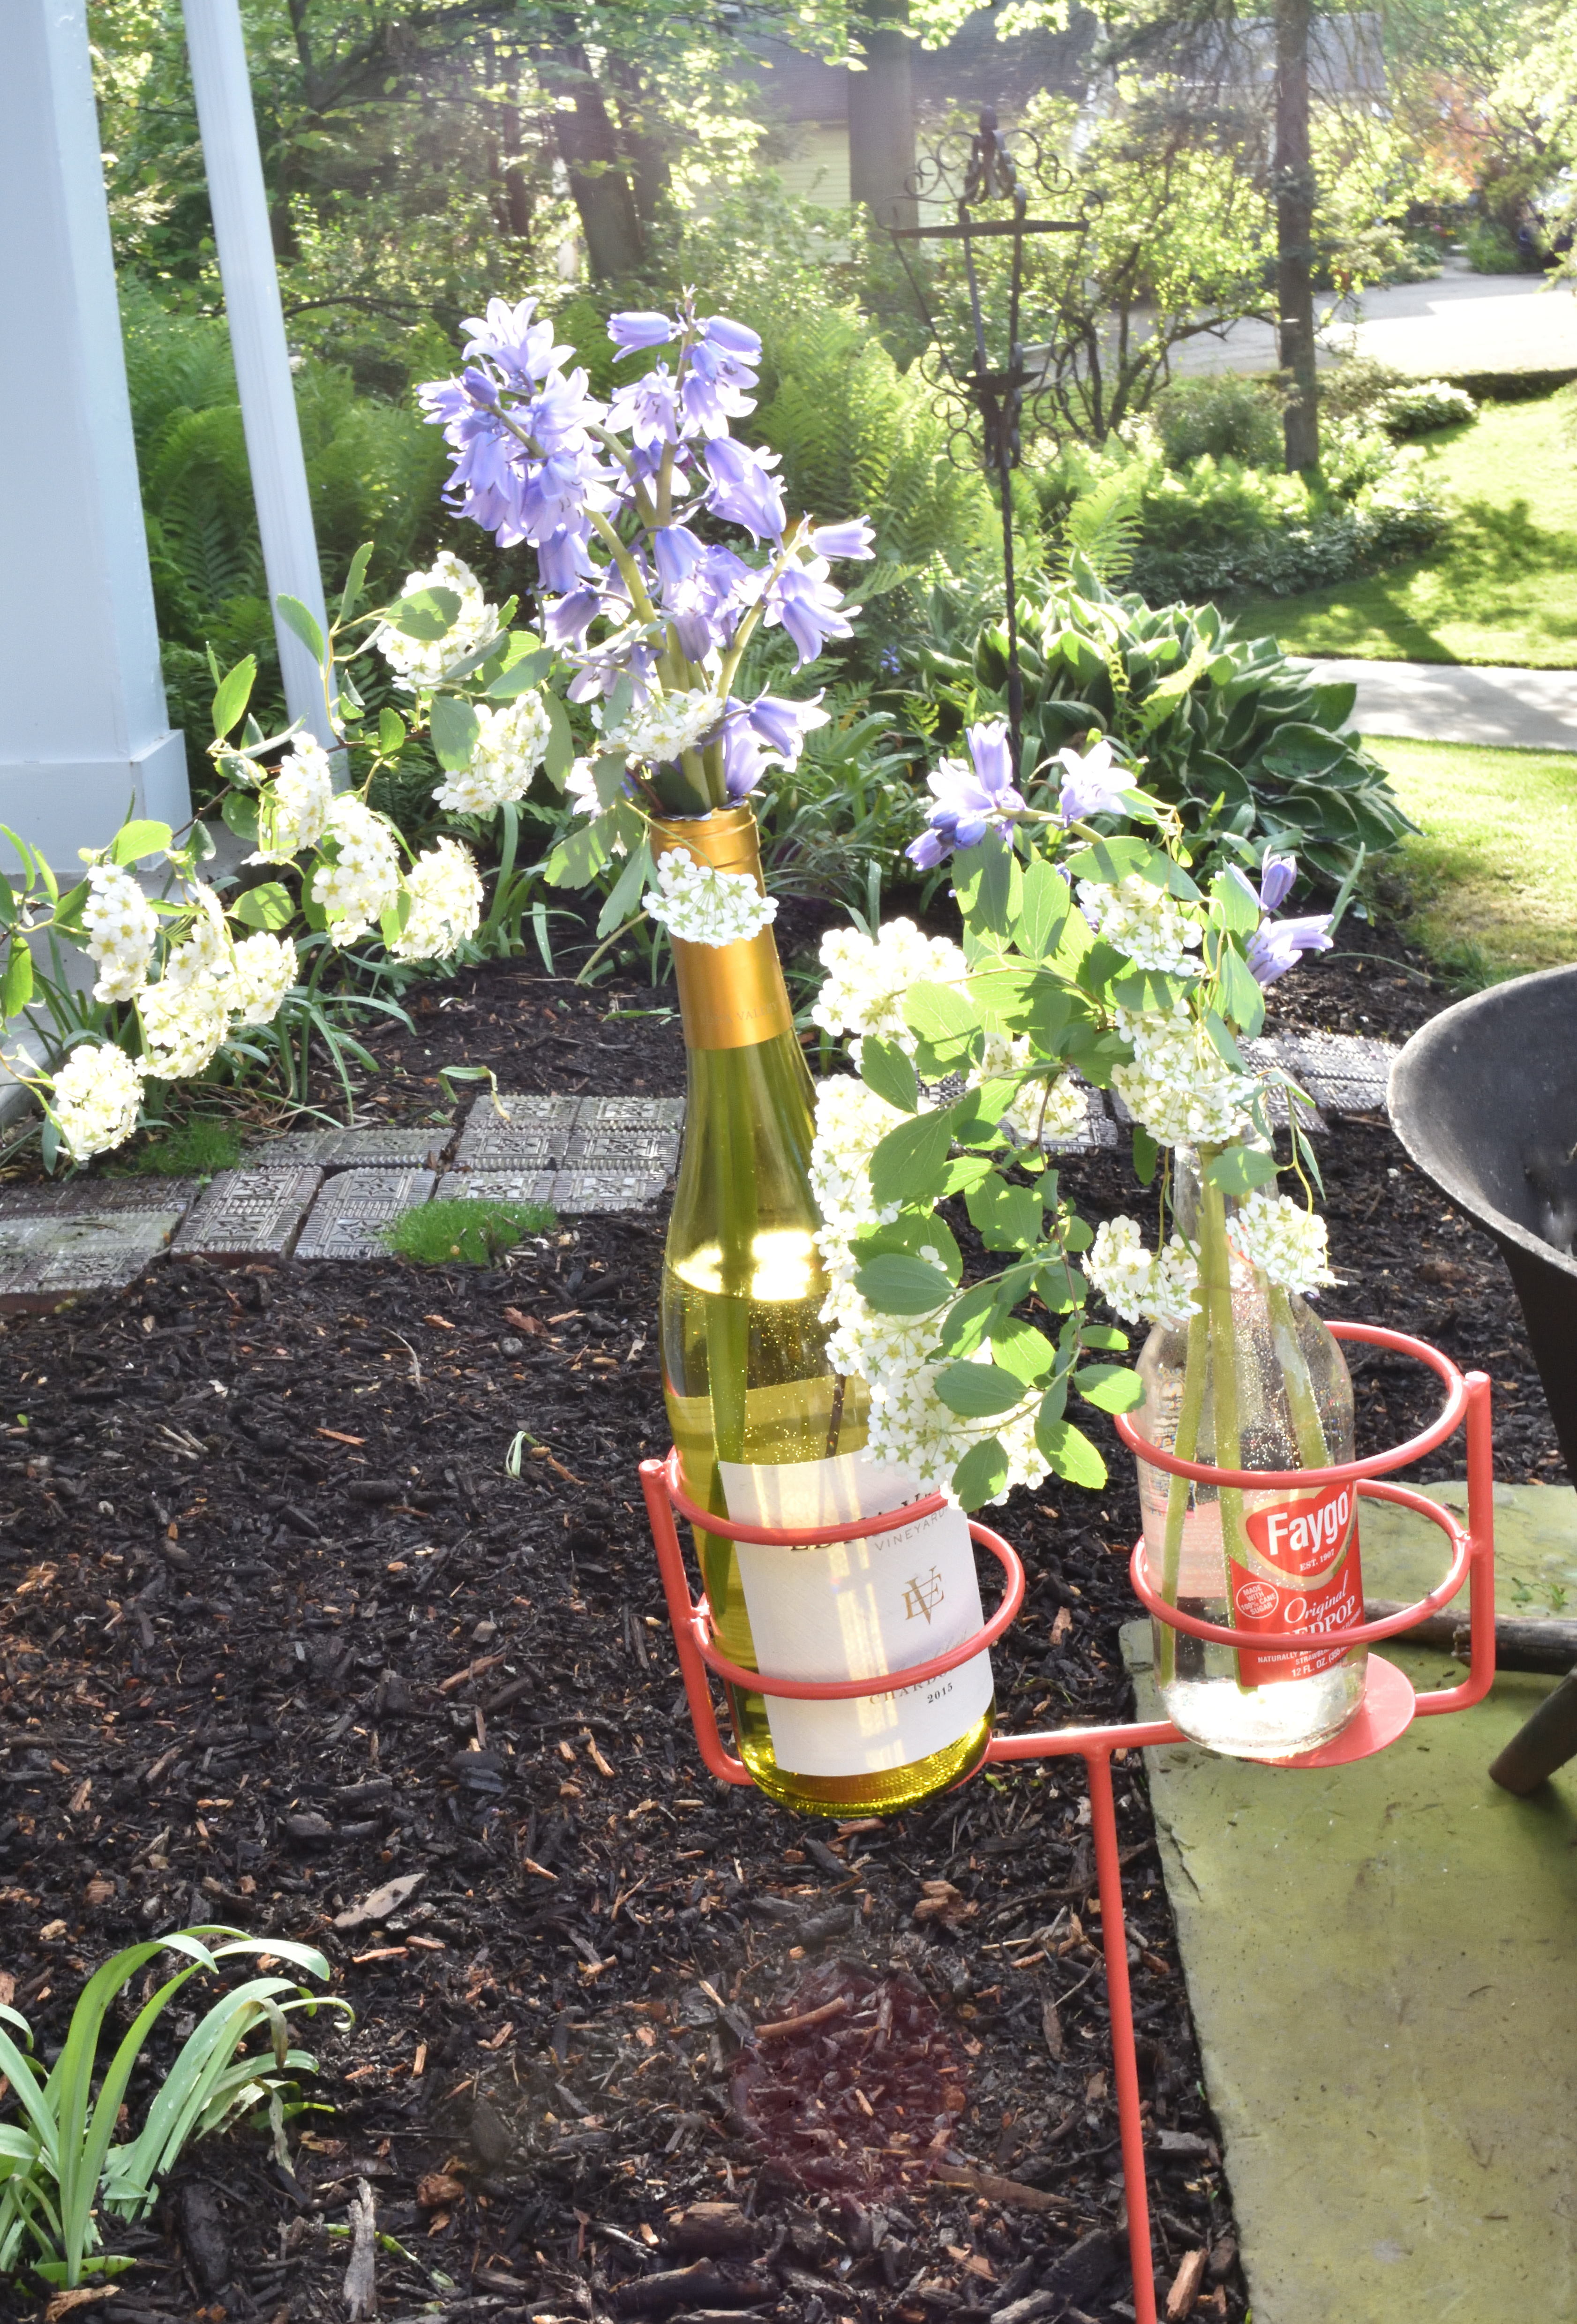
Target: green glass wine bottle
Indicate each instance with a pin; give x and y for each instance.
(768, 1433)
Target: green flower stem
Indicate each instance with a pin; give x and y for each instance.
(1184, 1445)
(626, 565)
(1313, 1449)
(1215, 1272)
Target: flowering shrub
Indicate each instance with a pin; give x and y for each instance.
(1089, 957)
(1422, 404)
(186, 978)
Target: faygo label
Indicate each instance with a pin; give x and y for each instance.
(1305, 1577)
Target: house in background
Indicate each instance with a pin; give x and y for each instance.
(840, 137)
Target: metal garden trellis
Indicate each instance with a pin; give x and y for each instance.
(986, 171)
(1390, 1705)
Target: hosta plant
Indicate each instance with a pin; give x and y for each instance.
(63, 2172)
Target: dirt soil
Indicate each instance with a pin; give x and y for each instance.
(281, 1628)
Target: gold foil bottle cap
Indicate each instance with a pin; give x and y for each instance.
(731, 996)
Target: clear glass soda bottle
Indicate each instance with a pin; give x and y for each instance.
(1254, 1380)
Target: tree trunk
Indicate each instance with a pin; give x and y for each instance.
(589, 151)
(517, 194)
(648, 161)
(882, 119)
(1294, 228)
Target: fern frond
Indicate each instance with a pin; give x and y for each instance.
(1102, 525)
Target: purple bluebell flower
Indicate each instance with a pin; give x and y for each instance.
(767, 732)
(972, 798)
(853, 537)
(743, 490)
(734, 338)
(676, 552)
(1092, 783)
(1276, 876)
(556, 418)
(562, 559)
(523, 349)
(1280, 944)
(810, 610)
(638, 328)
(648, 408)
(568, 619)
(704, 602)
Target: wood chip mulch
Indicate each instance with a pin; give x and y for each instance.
(283, 1644)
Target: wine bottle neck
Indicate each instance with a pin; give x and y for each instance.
(731, 996)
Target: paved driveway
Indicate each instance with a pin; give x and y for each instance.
(1462, 322)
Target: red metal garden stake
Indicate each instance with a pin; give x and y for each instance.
(1388, 1707)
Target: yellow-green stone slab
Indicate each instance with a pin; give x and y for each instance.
(1381, 1960)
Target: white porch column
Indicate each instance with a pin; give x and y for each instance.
(84, 733)
(239, 202)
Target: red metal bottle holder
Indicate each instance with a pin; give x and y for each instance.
(1388, 1707)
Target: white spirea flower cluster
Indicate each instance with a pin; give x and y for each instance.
(909, 1423)
(445, 902)
(665, 724)
(851, 1122)
(510, 747)
(867, 980)
(294, 808)
(1144, 923)
(1137, 1283)
(363, 879)
(183, 1024)
(698, 905)
(1178, 1086)
(1283, 1240)
(265, 970)
(420, 662)
(95, 1098)
(122, 928)
(1047, 1112)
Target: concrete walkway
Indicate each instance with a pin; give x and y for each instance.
(1462, 322)
(1448, 702)
(1379, 1958)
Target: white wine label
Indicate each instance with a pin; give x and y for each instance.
(857, 1610)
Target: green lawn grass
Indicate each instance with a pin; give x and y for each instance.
(1491, 876)
(1501, 588)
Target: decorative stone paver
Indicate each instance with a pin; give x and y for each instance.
(58, 1198)
(47, 1257)
(1343, 1073)
(639, 1134)
(249, 1215)
(517, 1133)
(497, 1187)
(1378, 1964)
(354, 1205)
(567, 1190)
(579, 1154)
(353, 1149)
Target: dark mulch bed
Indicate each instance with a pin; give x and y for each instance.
(281, 1628)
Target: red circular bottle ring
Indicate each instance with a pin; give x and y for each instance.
(803, 1536)
(1399, 1456)
(1316, 1641)
(809, 1690)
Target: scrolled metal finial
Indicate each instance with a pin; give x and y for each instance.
(990, 176)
